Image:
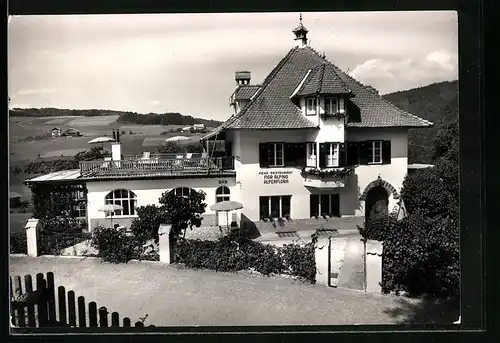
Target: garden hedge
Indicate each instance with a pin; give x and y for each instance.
(226, 255)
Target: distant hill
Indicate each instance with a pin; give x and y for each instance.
(170, 118)
(437, 103)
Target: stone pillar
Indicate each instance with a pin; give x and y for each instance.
(374, 251)
(322, 256)
(32, 231)
(164, 243)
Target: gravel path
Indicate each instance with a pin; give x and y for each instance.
(176, 297)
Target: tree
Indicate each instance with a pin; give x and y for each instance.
(421, 252)
(183, 212)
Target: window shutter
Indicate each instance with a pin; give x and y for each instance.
(263, 155)
(271, 147)
(386, 152)
(289, 155)
(229, 149)
(363, 152)
(342, 155)
(299, 154)
(322, 155)
(352, 153)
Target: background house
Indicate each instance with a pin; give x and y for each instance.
(15, 199)
(56, 132)
(72, 133)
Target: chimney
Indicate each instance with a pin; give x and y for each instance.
(242, 77)
(116, 148)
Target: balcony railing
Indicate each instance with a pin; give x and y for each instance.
(166, 167)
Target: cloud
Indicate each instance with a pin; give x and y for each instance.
(154, 102)
(392, 74)
(37, 91)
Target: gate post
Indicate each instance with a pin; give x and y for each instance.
(322, 256)
(374, 250)
(32, 231)
(164, 243)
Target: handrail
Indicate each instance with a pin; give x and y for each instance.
(172, 166)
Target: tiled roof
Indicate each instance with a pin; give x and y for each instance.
(245, 92)
(272, 107)
(323, 79)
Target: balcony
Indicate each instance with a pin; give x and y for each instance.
(156, 166)
(327, 178)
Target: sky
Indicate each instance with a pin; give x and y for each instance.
(186, 62)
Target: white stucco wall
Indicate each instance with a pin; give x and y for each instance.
(148, 192)
(393, 173)
(252, 180)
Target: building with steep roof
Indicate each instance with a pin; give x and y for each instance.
(309, 141)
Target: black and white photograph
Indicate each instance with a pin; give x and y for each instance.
(233, 169)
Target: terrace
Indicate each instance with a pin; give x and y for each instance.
(190, 164)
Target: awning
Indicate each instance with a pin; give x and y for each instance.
(213, 133)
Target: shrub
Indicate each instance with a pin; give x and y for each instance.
(18, 243)
(52, 243)
(378, 228)
(58, 233)
(226, 255)
(146, 225)
(114, 246)
(421, 256)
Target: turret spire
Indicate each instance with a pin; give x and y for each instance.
(301, 33)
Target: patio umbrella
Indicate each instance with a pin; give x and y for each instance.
(401, 210)
(110, 208)
(226, 206)
(101, 140)
(176, 138)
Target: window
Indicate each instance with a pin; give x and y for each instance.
(277, 206)
(125, 198)
(222, 194)
(312, 155)
(331, 105)
(324, 205)
(375, 152)
(311, 105)
(332, 154)
(275, 154)
(80, 209)
(182, 191)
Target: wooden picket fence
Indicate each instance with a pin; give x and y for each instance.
(42, 308)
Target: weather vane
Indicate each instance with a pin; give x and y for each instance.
(300, 18)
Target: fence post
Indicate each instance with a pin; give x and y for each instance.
(71, 309)
(103, 317)
(322, 256)
(42, 302)
(18, 291)
(92, 314)
(81, 312)
(28, 284)
(61, 297)
(115, 319)
(374, 251)
(32, 232)
(164, 243)
(51, 294)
